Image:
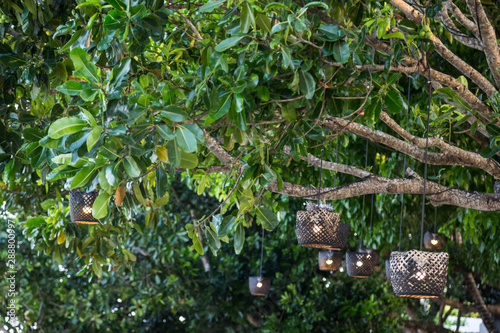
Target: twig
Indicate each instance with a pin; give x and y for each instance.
(190, 24)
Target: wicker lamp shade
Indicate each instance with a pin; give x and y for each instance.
(317, 228)
(360, 264)
(329, 261)
(419, 274)
(259, 286)
(80, 207)
(340, 237)
(388, 269)
(434, 241)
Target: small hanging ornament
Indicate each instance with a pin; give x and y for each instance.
(415, 273)
(259, 286)
(80, 207)
(329, 261)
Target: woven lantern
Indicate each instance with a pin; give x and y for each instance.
(419, 274)
(434, 241)
(388, 269)
(329, 261)
(80, 207)
(360, 264)
(317, 227)
(259, 286)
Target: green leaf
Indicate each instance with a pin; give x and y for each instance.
(174, 153)
(394, 102)
(317, 4)
(263, 22)
(96, 267)
(494, 130)
(48, 203)
(100, 207)
(83, 176)
(131, 167)
(307, 84)
(119, 73)
(225, 226)
(188, 160)
(213, 240)
(72, 41)
(267, 218)
(35, 222)
(32, 134)
(396, 34)
(246, 18)
(211, 6)
(450, 94)
(72, 88)
(83, 66)
(94, 137)
(11, 60)
(341, 51)
(165, 132)
(90, 117)
(332, 32)
(228, 43)
(174, 113)
(185, 139)
(66, 126)
(288, 111)
(239, 238)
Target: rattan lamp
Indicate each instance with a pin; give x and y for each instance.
(259, 286)
(340, 237)
(80, 207)
(415, 273)
(360, 264)
(329, 261)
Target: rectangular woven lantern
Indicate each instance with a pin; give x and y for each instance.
(80, 207)
(317, 228)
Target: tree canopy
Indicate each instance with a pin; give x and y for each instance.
(201, 123)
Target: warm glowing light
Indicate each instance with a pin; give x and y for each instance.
(329, 262)
(419, 275)
(316, 228)
(87, 210)
(359, 263)
(434, 242)
(259, 284)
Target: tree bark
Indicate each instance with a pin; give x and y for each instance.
(488, 319)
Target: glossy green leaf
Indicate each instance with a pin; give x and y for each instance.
(188, 160)
(174, 113)
(211, 6)
(341, 51)
(246, 17)
(267, 218)
(83, 176)
(185, 139)
(72, 88)
(228, 43)
(131, 167)
(83, 66)
(94, 136)
(66, 126)
(100, 207)
(307, 84)
(239, 238)
(394, 102)
(165, 132)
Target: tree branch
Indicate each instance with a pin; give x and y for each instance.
(488, 320)
(412, 184)
(465, 308)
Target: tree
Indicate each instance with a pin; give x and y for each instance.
(240, 98)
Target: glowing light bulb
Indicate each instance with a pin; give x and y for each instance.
(316, 228)
(359, 263)
(87, 210)
(329, 262)
(259, 284)
(434, 241)
(419, 275)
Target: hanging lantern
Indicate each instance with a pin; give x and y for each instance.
(360, 264)
(340, 237)
(329, 261)
(434, 241)
(259, 286)
(80, 207)
(388, 269)
(419, 274)
(317, 227)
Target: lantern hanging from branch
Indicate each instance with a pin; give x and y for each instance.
(80, 207)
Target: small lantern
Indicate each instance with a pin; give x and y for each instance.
(317, 228)
(434, 241)
(80, 207)
(329, 261)
(340, 237)
(388, 269)
(360, 264)
(259, 286)
(419, 274)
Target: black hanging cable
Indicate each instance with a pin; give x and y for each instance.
(364, 196)
(404, 165)
(435, 217)
(336, 160)
(320, 171)
(373, 195)
(425, 159)
(261, 252)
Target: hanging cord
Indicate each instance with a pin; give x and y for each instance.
(364, 196)
(425, 159)
(336, 160)
(261, 252)
(373, 195)
(435, 218)
(320, 171)
(404, 165)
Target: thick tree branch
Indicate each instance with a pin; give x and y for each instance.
(460, 17)
(450, 155)
(488, 320)
(414, 15)
(412, 184)
(469, 41)
(488, 38)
